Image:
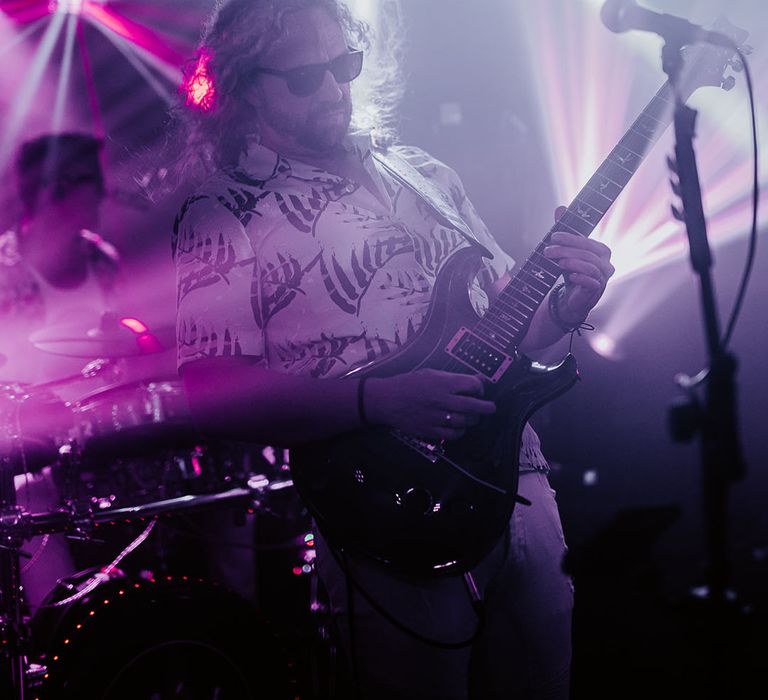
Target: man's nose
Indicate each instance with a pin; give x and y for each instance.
(330, 90)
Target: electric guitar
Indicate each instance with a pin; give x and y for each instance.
(422, 507)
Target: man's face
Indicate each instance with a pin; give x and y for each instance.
(312, 125)
(66, 211)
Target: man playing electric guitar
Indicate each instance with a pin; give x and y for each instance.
(303, 256)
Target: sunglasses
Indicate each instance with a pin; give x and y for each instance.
(304, 81)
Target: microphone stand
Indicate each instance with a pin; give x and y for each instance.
(715, 419)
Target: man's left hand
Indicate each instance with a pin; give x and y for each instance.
(586, 266)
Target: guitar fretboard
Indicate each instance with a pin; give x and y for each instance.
(509, 316)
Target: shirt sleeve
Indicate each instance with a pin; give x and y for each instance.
(449, 181)
(216, 271)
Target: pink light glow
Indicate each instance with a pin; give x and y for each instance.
(25, 10)
(199, 86)
(134, 325)
(162, 47)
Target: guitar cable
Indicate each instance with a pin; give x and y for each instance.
(352, 584)
(755, 205)
(476, 601)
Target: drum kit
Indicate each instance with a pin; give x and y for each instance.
(126, 460)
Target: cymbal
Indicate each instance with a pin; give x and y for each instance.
(115, 336)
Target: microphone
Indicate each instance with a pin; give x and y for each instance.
(622, 15)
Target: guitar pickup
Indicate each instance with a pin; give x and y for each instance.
(480, 356)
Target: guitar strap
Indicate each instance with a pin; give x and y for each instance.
(438, 202)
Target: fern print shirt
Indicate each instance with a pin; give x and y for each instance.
(309, 272)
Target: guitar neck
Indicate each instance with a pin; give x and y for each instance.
(509, 316)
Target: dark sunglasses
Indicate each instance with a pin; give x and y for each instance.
(304, 81)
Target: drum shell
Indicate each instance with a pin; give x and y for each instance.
(136, 637)
(34, 424)
(134, 418)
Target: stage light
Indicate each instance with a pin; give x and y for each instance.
(199, 87)
(71, 7)
(134, 325)
(577, 58)
(604, 345)
(24, 11)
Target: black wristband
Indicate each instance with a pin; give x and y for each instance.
(554, 311)
(361, 402)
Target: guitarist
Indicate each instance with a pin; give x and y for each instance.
(300, 257)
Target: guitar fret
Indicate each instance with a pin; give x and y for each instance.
(495, 330)
(646, 116)
(585, 212)
(645, 128)
(605, 186)
(629, 160)
(494, 318)
(660, 109)
(546, 266)
(563, 225)
(635, 142)
(533, 300)
(513, 309)
(490, 338)
(595, 198)
(506, 318)
(615, 173)
(665, 94)
(522, 287)
(615, 159)
(595, 212)
(534, 280)
(517, 303)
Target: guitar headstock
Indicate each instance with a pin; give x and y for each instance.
(710, 65)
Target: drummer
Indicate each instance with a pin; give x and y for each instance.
(54, 269)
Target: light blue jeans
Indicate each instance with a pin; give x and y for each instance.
(524, 650)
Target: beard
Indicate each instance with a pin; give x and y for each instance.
(321, 130)
(325, 129)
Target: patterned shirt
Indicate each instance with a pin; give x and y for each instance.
(310, 272)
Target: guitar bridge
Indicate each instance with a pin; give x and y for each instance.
(478, 355)
(428, 450)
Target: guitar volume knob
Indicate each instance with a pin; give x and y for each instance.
(417, 501)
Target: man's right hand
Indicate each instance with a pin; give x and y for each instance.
(428, 403)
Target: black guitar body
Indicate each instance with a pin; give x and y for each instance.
(423, 508)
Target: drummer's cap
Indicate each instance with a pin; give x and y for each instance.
(57, 161)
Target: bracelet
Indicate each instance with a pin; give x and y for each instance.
(554, 311)
(361, 402)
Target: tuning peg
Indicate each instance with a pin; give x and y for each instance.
(675, 184)
(747, 49)
(728, 83)
(736, 65)
(677, 213)
(672, 164)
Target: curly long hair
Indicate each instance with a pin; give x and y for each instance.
(237, 34)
